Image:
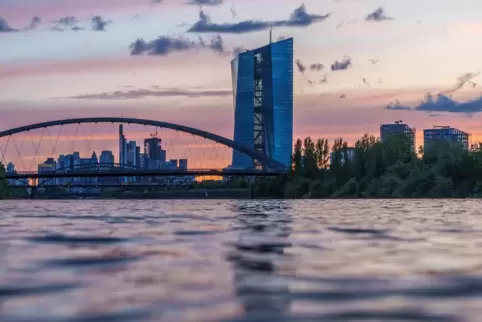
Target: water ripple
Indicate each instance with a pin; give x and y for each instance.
(8, 291)
(64, 239)
(241, 260)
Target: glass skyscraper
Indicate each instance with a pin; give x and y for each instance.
(263, 102)
(447, 134)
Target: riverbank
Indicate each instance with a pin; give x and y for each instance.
(111, 194)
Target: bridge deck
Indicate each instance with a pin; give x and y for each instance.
(143, 173)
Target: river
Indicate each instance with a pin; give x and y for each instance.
(241, 260)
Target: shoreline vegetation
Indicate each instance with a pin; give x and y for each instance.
(375, 169)
(370, 169)
(3, 183)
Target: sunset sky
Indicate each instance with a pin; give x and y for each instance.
(71, 58)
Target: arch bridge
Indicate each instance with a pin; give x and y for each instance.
(272, 167)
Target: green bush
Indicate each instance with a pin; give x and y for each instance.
(388, 169)
(3, 182)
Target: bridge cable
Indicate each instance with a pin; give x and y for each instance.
(19, 157)
(71, 150)
(36, 150)
(54, 150)
(88, 143)
(4, 150)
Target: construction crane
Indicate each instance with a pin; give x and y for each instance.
(441, 127)
(399, 122)
(154, 135)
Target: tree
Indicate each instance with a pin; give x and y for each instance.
(297, 155)
(3, 182)
(340, 163)
(396, 148)
(310, 167)
(322, 153)
(362, 151)
(388, 169)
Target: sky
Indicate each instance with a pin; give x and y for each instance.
(358, 63)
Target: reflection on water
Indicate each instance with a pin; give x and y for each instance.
(240, 260)
(259, 259)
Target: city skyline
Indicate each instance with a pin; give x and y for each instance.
(92, 73)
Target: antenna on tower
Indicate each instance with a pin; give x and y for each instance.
(271, 34)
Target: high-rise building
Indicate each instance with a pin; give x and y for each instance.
(183, 164)
(138, 157)
(14, 182)
(132, 154)
(94, 158)
(350, 153)
(263, 102)
(447, 134)
(10, 168)
(122, 146)
(398, 128)
(106, 157)
(48, 166)
(172, 164)
(154, 154)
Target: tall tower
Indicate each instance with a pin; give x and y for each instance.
(263, 102)
(122, 146)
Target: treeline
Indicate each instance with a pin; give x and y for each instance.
(375, 169)
(3, 182)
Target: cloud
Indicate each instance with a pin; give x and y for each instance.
(461, 81)
(341, 65)
(67, 21)
(34, 22)
(300, 66)
(238, 50)
(4, 27)
(205, 2)
(234, 13)
(298, 18)
(441, 103)
(142, 93)
(216, 43)
(397, 106)
(99, 24)
(378, 15)
(77, 28)
(317, 67)
(166, 44)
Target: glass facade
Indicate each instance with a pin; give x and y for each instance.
(387, 130)
(445, 133)
(263, 102)
(242, 68)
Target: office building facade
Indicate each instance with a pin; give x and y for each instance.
(154, 155)
(122, 146)
(106, 158)
(183, 164)
(398, 128)
(446, 134)
(48, 166)
(350, 156)
(263, 102)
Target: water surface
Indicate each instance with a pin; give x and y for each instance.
(243, 260)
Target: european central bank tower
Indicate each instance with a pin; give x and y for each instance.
(263, 102)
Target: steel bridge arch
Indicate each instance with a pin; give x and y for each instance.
(262, 158)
